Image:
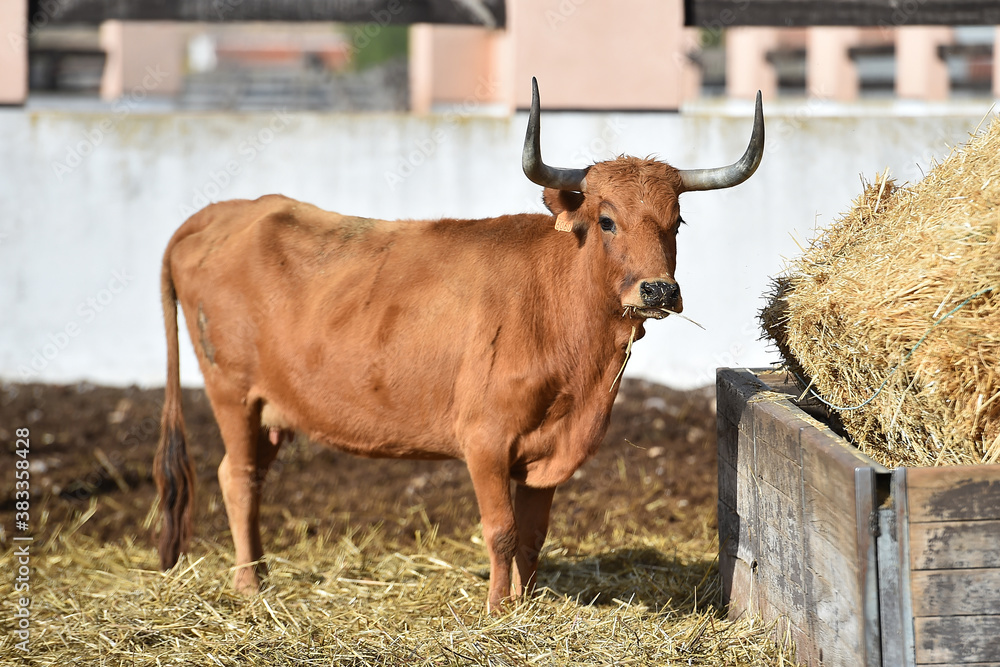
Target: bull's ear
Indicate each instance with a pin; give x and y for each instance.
(562, 201)
(564, 204)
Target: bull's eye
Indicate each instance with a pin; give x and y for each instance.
(607, 224)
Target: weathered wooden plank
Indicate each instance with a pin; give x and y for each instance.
(735, 534)
(737, 500)
(955, 592)
(833, 521)
(837, 598)
(900, 501)
(734, 387)
(734, 446)
(828, 465)
(957, 639)
(727, 567)
(956, 493)
(737, 490)
(727, 439)
(955, 545)
(866, 525)
(787, 631)
(780, 513)
(779, 381)
(806, 650)
(776, 428)
(838, 576)
(829, 494)
(781, 570)
(778, 600)
(783, 474)
(727, 484)
(891, 618)
(780, 517)
(895, 611)
(719, 14)
(741, 591)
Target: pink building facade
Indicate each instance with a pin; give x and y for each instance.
(587, 55)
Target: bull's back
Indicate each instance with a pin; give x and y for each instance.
(273, 252)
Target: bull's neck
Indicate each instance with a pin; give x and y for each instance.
(588, 285)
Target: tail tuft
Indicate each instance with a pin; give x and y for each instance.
(175, 481)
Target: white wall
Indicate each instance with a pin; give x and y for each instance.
(88, 201)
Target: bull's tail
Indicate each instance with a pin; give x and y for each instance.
(172, 469)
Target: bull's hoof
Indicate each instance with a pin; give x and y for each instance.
(500, 607)
(248, 579)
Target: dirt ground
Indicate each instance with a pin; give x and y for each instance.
(372, 562)
(656, 471)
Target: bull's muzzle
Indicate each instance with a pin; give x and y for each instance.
(660, 294)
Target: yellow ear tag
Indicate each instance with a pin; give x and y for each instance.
(563, 223)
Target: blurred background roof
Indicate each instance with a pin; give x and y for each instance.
(489, 13)
(477, 55)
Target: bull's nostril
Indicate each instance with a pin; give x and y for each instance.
(659, 293)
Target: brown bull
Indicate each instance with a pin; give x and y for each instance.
(495, 341)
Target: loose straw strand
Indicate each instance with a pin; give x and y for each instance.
(628, 353)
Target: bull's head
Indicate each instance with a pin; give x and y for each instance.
(632, 204)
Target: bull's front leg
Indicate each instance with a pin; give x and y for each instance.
(491, 480)
(531, 511)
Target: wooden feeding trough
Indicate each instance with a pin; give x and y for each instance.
(859, 564)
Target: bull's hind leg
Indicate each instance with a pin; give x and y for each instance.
(249, 454)
(531, 511)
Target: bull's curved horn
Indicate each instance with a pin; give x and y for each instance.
(736, 173)
(531, 158)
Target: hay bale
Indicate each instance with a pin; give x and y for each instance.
(896, 308)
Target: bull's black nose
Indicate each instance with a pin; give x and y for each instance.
(659, 293)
